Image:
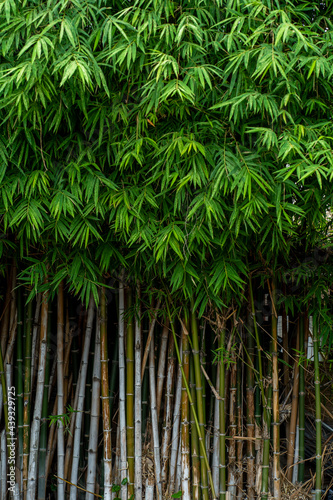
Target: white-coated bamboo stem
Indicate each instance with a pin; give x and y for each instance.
(60, 393)
(137, 404)
(166, 435)
(3, 465)
(122, 393)
(161, 368)
(35, 426)
(154, 421)
(175, 430)
(94, 418)
(80, 400)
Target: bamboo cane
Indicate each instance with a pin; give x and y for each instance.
(232, 486)
(130, 395)
(195, 443)
(200, 403)
(27, 396)
(105, 399)
(294, 412)
(122, 395)
(222, 442)
(35, 334)
(137, 402)
(275, 388)
(167, 421)
(161, 367)
(20, 390)
(240, 428)
(60, 392)
(80, 399)
(95, 413)
(301, 401)
(318, 410)
(43, 424)
(266, 433)
(250, 411)
(154, 421)
(3, 464)
(35, 426)
(185, 434)
(175, 429)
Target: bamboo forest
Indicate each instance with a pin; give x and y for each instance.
(166, 249)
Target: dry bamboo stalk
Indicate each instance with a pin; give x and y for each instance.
(94, 418)
(185, 433)
(154, 421)
(35, 426)
(161, 367)
(166, 433)
(137, 403)
(122, 394)
(293, 418)
(80, 399)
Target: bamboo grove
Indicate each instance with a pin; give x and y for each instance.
(166, 249)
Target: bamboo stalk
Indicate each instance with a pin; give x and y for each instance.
(95, 413)
(294, 412)
(232, 486)
(222, 441)
(35, 426)
(137, 402)
(27, 396)
(167, 426)
(275, 388)
(240, 429)
(195, 443)
(44, 425)
(105, 399)
(154, 421)
(185, 434)
(200, 403)
(175, 429)
(122, 395)
(20, 389)
(130, 395)
(250, 411)
(301, 401)
(318, 411)
(3, 463)
(80, 399)
(161, 367)
(35, 334)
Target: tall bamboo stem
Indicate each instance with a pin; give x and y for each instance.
(80, 399)
(35, 426)
(161, 367)
(20, 390)
(105, 399)
(60, 392)
(167, 427)
(122, 395)
(318, 410)
(95, 413)
(232, 488)
(301, 401)
(27, 396)
(137, 402)
(250, 411)
(185, 434)
(222, 441)
(276, 415)
(195, 441)
(294, 413)
(130, 395)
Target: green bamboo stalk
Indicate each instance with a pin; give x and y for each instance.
(200, 401)
(318, 410)
(44, 421)
(27, 395)
(301, 401)
(200, 434)
(130, 395)
(194, 440)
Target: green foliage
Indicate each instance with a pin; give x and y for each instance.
(170, 139)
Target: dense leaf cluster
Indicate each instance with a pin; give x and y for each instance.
(170, 138)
